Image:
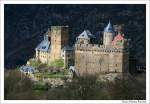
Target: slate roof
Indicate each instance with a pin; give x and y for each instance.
(109, 28)
(44, 46)
(67, 48)
(86, 34)
(72, 68)
(27, 69)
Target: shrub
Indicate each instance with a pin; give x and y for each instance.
(40, 86)
(66, 71)
(34, 63)
(15, 85)
(43, 68)
(57, 63)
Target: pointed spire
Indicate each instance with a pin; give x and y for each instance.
(109, 27)
(109, 22)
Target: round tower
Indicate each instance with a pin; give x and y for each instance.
(108, 34)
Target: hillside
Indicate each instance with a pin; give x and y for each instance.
(26, 24)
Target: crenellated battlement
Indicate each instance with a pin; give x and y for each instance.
(88, 58)
(99, 48)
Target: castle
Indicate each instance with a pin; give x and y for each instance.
(88, 57)
(55, 46)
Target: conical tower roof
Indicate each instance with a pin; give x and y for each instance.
(109, 28)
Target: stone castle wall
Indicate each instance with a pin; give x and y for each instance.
(59, 38)
(93, 59)
(42, 56)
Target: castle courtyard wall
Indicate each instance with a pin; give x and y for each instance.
(92, 60)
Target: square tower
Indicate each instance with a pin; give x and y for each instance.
(59, 39)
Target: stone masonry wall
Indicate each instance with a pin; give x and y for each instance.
(92, 60)
(59, 38)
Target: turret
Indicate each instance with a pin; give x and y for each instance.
(85, 37)
(108, 34)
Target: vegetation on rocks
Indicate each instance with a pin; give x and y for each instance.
(80, 88)
(53, 75)
(34, 63)
(58, 63)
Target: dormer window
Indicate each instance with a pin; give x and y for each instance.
(43, 47)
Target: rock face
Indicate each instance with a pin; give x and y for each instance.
(25, 25)
(112, 76)
(54, 82)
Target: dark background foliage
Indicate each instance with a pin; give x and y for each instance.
(26, 24)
